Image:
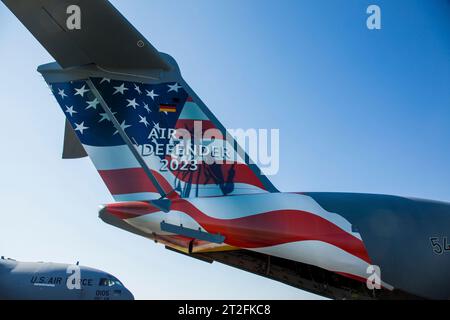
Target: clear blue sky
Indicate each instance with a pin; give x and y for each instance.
(358, 110)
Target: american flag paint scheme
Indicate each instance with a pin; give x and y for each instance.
(262, 222)
(137, 108)
(129, 109)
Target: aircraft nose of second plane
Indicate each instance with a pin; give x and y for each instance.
(127, 295)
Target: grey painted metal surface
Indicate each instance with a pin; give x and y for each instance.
(402, 236)
(93, 43)
(194, 234)
(72, 148)
(55, 281)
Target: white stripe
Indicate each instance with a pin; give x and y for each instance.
(112, 158)
(151, 223)
(120, 157)
(204, 191)
(44, 285)
(143, 196)
(248, 205)
(212, 190)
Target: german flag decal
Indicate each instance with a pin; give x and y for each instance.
(168, 108)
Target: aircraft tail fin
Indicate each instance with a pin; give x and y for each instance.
(131, 110)
(131, 132)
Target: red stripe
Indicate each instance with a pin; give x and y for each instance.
(135, 180)
(209, 174)
(133, 209)
(270, 228)
(275, 228)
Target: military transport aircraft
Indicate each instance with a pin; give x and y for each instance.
(128, 108)
(56, 281)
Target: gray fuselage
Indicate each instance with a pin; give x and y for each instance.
(54, 281)
(409, 239)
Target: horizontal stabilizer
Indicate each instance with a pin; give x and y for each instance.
(72, 146)
(104, 36)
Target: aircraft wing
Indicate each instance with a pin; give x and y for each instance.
(106, 38)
